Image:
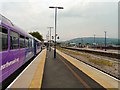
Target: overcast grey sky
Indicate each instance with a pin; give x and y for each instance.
(79, 18)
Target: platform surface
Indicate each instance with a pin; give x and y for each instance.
(59, 73)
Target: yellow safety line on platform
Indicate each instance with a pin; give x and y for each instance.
(37, 80)
(76, 75)
(104, 80)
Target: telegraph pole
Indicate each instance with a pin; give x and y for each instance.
(105, 40)
(94, 41)
(50, 38)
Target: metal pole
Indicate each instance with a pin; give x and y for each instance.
(105, 40)
(55, 32)
(82, 42)
(94, 41)
(48, 41)
(50, 38)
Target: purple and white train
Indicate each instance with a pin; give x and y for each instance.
(16, 48)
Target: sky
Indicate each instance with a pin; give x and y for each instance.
(79, 18)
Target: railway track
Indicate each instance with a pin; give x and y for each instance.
(106, 54)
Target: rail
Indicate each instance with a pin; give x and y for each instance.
(108, 54)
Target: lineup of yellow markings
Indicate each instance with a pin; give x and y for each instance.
(37, 81)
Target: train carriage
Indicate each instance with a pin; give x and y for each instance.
(29, 52)
(38, 45)
(16, 48)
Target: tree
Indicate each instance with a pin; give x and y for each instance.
(37, 35)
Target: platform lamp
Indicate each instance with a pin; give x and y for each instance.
(55, 26)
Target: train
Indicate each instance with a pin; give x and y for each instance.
(16, 47)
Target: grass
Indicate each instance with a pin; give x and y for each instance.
(101, 62)
(97, 61)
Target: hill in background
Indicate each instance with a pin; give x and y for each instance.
(90, 40)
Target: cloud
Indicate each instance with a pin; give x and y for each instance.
(78, 18)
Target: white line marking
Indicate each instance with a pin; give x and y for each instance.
(106, 74)
(22, 72)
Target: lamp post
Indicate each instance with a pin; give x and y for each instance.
(50, 37)
(55, 26)
(105, 40)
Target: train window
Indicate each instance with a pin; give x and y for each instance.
(27, 42)
(22, 41)
(30, 43)
(3, 39)
(14, 40)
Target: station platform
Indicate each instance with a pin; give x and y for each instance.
(62, 72)
(59, 73)
(99, 50)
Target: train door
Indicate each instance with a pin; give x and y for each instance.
(29, 49)
(35, 47)
(22, 49)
